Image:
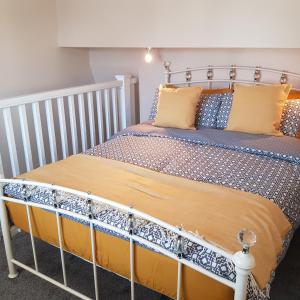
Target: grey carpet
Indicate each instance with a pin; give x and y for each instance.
(112, 287)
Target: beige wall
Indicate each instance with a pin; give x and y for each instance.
(188, 23)
(30, 60)
(105, 63)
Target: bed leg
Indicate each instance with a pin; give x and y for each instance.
(244, 263)
(6, 237)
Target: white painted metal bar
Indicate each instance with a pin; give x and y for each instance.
(115, 110)
(51, 130)
(82, 121)
(94, 261)
(244, 262)
(141, 240)
(90, 100)
(5, 103)
(107, 113)
(63, 127)
(38, 133)
(11, 141)
(47, 278)
(73, 124)
(31, 236)
(100, 116)
(62, 257)
(131, 243)
(179, 272)
(25, 137)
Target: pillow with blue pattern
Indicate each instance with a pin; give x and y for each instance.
(224, 111)
(210, 105)
(153, 110)
(290, 121)
(209, 109)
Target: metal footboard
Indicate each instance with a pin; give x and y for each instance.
(243, 260)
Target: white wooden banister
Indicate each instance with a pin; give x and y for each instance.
(73, 124)
(38, 133)
(51, 130)
(65, 111)
(11, 142)
(25, 137)
(127, 99)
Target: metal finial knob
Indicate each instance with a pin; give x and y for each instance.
(54, 199)
(131, 224)
(257, 75)
(89, 203)
(210, 74)
(188, 75)
(247, 238)
(167, 65)
(283, 78)
(24, 193)
(232, 73)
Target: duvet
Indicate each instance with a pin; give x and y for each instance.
(211, 182)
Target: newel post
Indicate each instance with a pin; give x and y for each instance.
(12, 273)
(244, 262)
(127, 100)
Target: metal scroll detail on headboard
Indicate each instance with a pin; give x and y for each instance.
(210, 77)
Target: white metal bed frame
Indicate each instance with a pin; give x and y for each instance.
(117, 99)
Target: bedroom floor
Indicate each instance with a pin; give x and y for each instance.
(27, 286)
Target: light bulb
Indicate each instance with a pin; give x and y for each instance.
(148, 56)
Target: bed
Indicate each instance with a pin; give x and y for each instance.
(163, 207)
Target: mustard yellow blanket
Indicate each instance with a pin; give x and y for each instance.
(215, 212)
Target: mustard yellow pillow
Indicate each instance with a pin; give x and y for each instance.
(177, 107)
(257, 109)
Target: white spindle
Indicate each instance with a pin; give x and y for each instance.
(115, 109)
(82, 122)
(51, 130)
(11, 142)
(100, 116)
(90, 100)
(38, 133)
(25, 137)
(73, 124)
(1, 169)
(63, 128)
(107, 113)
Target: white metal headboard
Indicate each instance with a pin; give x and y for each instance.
(233, 71)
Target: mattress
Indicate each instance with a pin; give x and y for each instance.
(267, 168)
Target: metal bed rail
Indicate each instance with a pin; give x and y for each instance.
(256, 72)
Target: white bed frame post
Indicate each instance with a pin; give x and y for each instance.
(12, 272)
(244, 262)
(127, 100)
